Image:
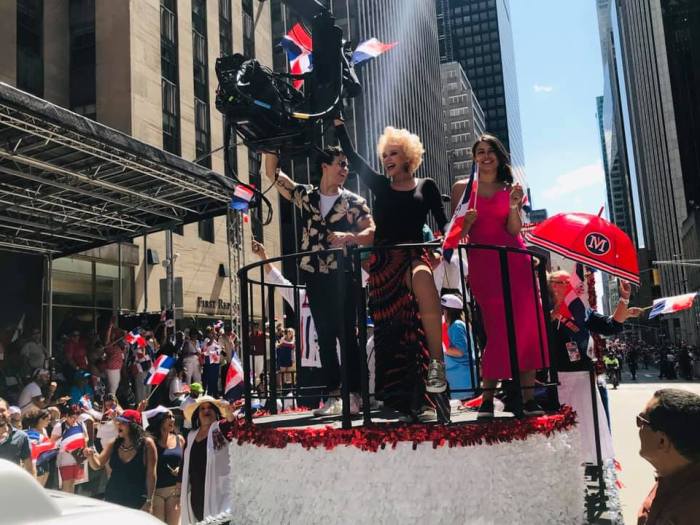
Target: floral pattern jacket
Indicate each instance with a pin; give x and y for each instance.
(349, 210)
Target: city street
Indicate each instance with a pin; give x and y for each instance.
(626, 402)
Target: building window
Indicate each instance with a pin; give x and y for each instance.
(206, 230)
(83, 91)
(30, 45)
(248, 29)
(170, 76)
(201, 82)
(225, 31)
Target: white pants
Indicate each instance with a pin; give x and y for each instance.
(575, 391)
(113, 377)
(193, 372)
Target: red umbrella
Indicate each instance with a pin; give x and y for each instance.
(591, 240)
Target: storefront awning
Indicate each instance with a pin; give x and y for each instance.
(69, 184)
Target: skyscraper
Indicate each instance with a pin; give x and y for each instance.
(464, 118)
(613, 141)
(661, 48)
(478, 35)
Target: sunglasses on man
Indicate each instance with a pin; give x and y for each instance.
(643, 421)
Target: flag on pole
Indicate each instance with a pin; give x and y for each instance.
(135, 337)
(453, 232)
(233, 389)
(370, 49)
(18, 331)
(298, 45)
(159, 370)
(73, 439)
(669, 305)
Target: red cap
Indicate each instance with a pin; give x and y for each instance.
(130, 416)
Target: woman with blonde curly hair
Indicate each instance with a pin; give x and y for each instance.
(405, 306)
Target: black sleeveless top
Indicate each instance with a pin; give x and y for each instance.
(169, 461)
(127, 484)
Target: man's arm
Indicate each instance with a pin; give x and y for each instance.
(26, 456)
(285, 186)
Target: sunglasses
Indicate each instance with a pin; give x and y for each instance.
(642, 421)
(559, 282)
(343, 164)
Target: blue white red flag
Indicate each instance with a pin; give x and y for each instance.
(369, 49)
(233, 389)
(135, 337)
(453, 232)
(669, 305)
(86, 402)
(73, 439)
(242, 195)
(40, 443)
(299, 46)
(159, 370)
(218, 325)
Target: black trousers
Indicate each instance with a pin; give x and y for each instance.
(333, 306)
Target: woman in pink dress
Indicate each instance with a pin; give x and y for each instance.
(496, 221)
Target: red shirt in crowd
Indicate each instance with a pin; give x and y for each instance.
(76, 352)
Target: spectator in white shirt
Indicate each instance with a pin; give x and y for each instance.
(33, 353)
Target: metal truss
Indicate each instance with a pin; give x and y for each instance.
(65, 188)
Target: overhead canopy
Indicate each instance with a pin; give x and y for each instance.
(68, 184)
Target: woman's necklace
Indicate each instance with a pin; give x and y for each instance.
(125, 448)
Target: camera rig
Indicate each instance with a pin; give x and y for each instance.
(265, 109)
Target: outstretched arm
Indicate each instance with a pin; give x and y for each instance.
(285, 186)
(370, 177)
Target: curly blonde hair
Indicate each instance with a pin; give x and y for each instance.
(409, 142)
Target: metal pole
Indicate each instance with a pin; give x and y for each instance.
(546, 309)
(362, 325)
(596, 433)
(145, 272)
(300, 343)
(119, 278)
(473, 360)
(168, 277)
(510, 325)
(246, 353)
(49, 319)
(273, 353)
(229, 240)
(344, 387)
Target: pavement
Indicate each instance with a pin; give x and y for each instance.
(637, 475)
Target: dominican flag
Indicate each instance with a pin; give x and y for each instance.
(669, 305)
(218, 325)
(453, 232)
(242, 196)
(73, 439)
(299, 46)
(159, 370)
(135, 337)
(233, 389)
(39, 444)
(369, 49)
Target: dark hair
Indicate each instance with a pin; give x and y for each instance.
(453, 314)
(154, 426)
(136, 434)
(328, 155)
(677, 414)
(505, 172)
(32, 418)
(195, 415)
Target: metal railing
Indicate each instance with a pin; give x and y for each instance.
(253, 277)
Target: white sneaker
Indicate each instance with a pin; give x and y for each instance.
(332, 407)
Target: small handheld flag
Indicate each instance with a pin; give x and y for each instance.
(669, 305)
(453, 232)
(234, 380)
(73, 439)
(242, 197)
(159, 370)
(135, 337)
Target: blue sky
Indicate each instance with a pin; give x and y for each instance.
(558, 63)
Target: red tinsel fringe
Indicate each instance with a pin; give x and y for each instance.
(378, 436)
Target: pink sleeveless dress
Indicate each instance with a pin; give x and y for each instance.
(486, 285)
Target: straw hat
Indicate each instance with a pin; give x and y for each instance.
(222, 405)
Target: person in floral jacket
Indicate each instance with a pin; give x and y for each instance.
(333, 217)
